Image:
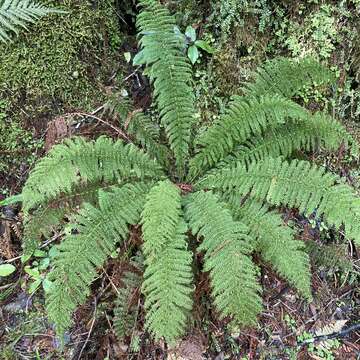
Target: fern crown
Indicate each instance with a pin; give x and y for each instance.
(220, 192)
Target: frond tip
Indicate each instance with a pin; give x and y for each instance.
(15, 14)
(170, 73)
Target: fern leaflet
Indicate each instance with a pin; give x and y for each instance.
(275, 241)
(245, 117)
(126, 309)
(78, 162)
(284, 140)
(287, 76)
(295, 184)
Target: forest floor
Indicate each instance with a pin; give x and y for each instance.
(289, 328)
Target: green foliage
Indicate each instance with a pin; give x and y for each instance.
(15, 14)
(140, 127)
(16, 144)
(78, 162)
(316, 35)
(126, 309)
(244, 117)
(228, 208)
(168, 275)
(281, 76)
(170, 73)
(285, 139)
(230, 13)
(42, 223)
(227, 249)
(293, 184)
(267, 104)
(89, 242)
(272, 238)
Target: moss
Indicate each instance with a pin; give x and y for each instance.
(57, 65)
(61, 64)
(18, 149)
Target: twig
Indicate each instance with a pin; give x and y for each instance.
(111, 282)
(90, 331)
(132, 74)
(52, 239)
(13, 259)
(119, 131)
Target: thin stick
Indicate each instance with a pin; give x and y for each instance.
(90, 331)
(119, 131)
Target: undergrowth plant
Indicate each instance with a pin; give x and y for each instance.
(216, 193)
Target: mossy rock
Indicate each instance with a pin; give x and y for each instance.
(59, 64)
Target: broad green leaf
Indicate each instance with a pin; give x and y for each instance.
(190, 33)
(25, 257)
(53, 252)
(138, 59)
(34, 286)
(193, 54)
(39, 253)
(44, 263)
(205, 46)
(34, 273)
(11, 200)
(6, 269)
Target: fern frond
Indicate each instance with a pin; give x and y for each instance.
(15, 14)
(147, 135)
(168, 275)
(275, 241)
(294, 184)
(227, 247)
(77, 161)
(86, 247)
(307, 135)
(126, 308)
(245, 117)
(170, 73)
(167, 262)
(41, 223)
(286, 77)
(331, 256)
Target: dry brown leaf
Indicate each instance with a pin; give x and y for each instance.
(333, 327)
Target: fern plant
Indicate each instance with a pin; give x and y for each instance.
(222, 188)
(16, 14)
